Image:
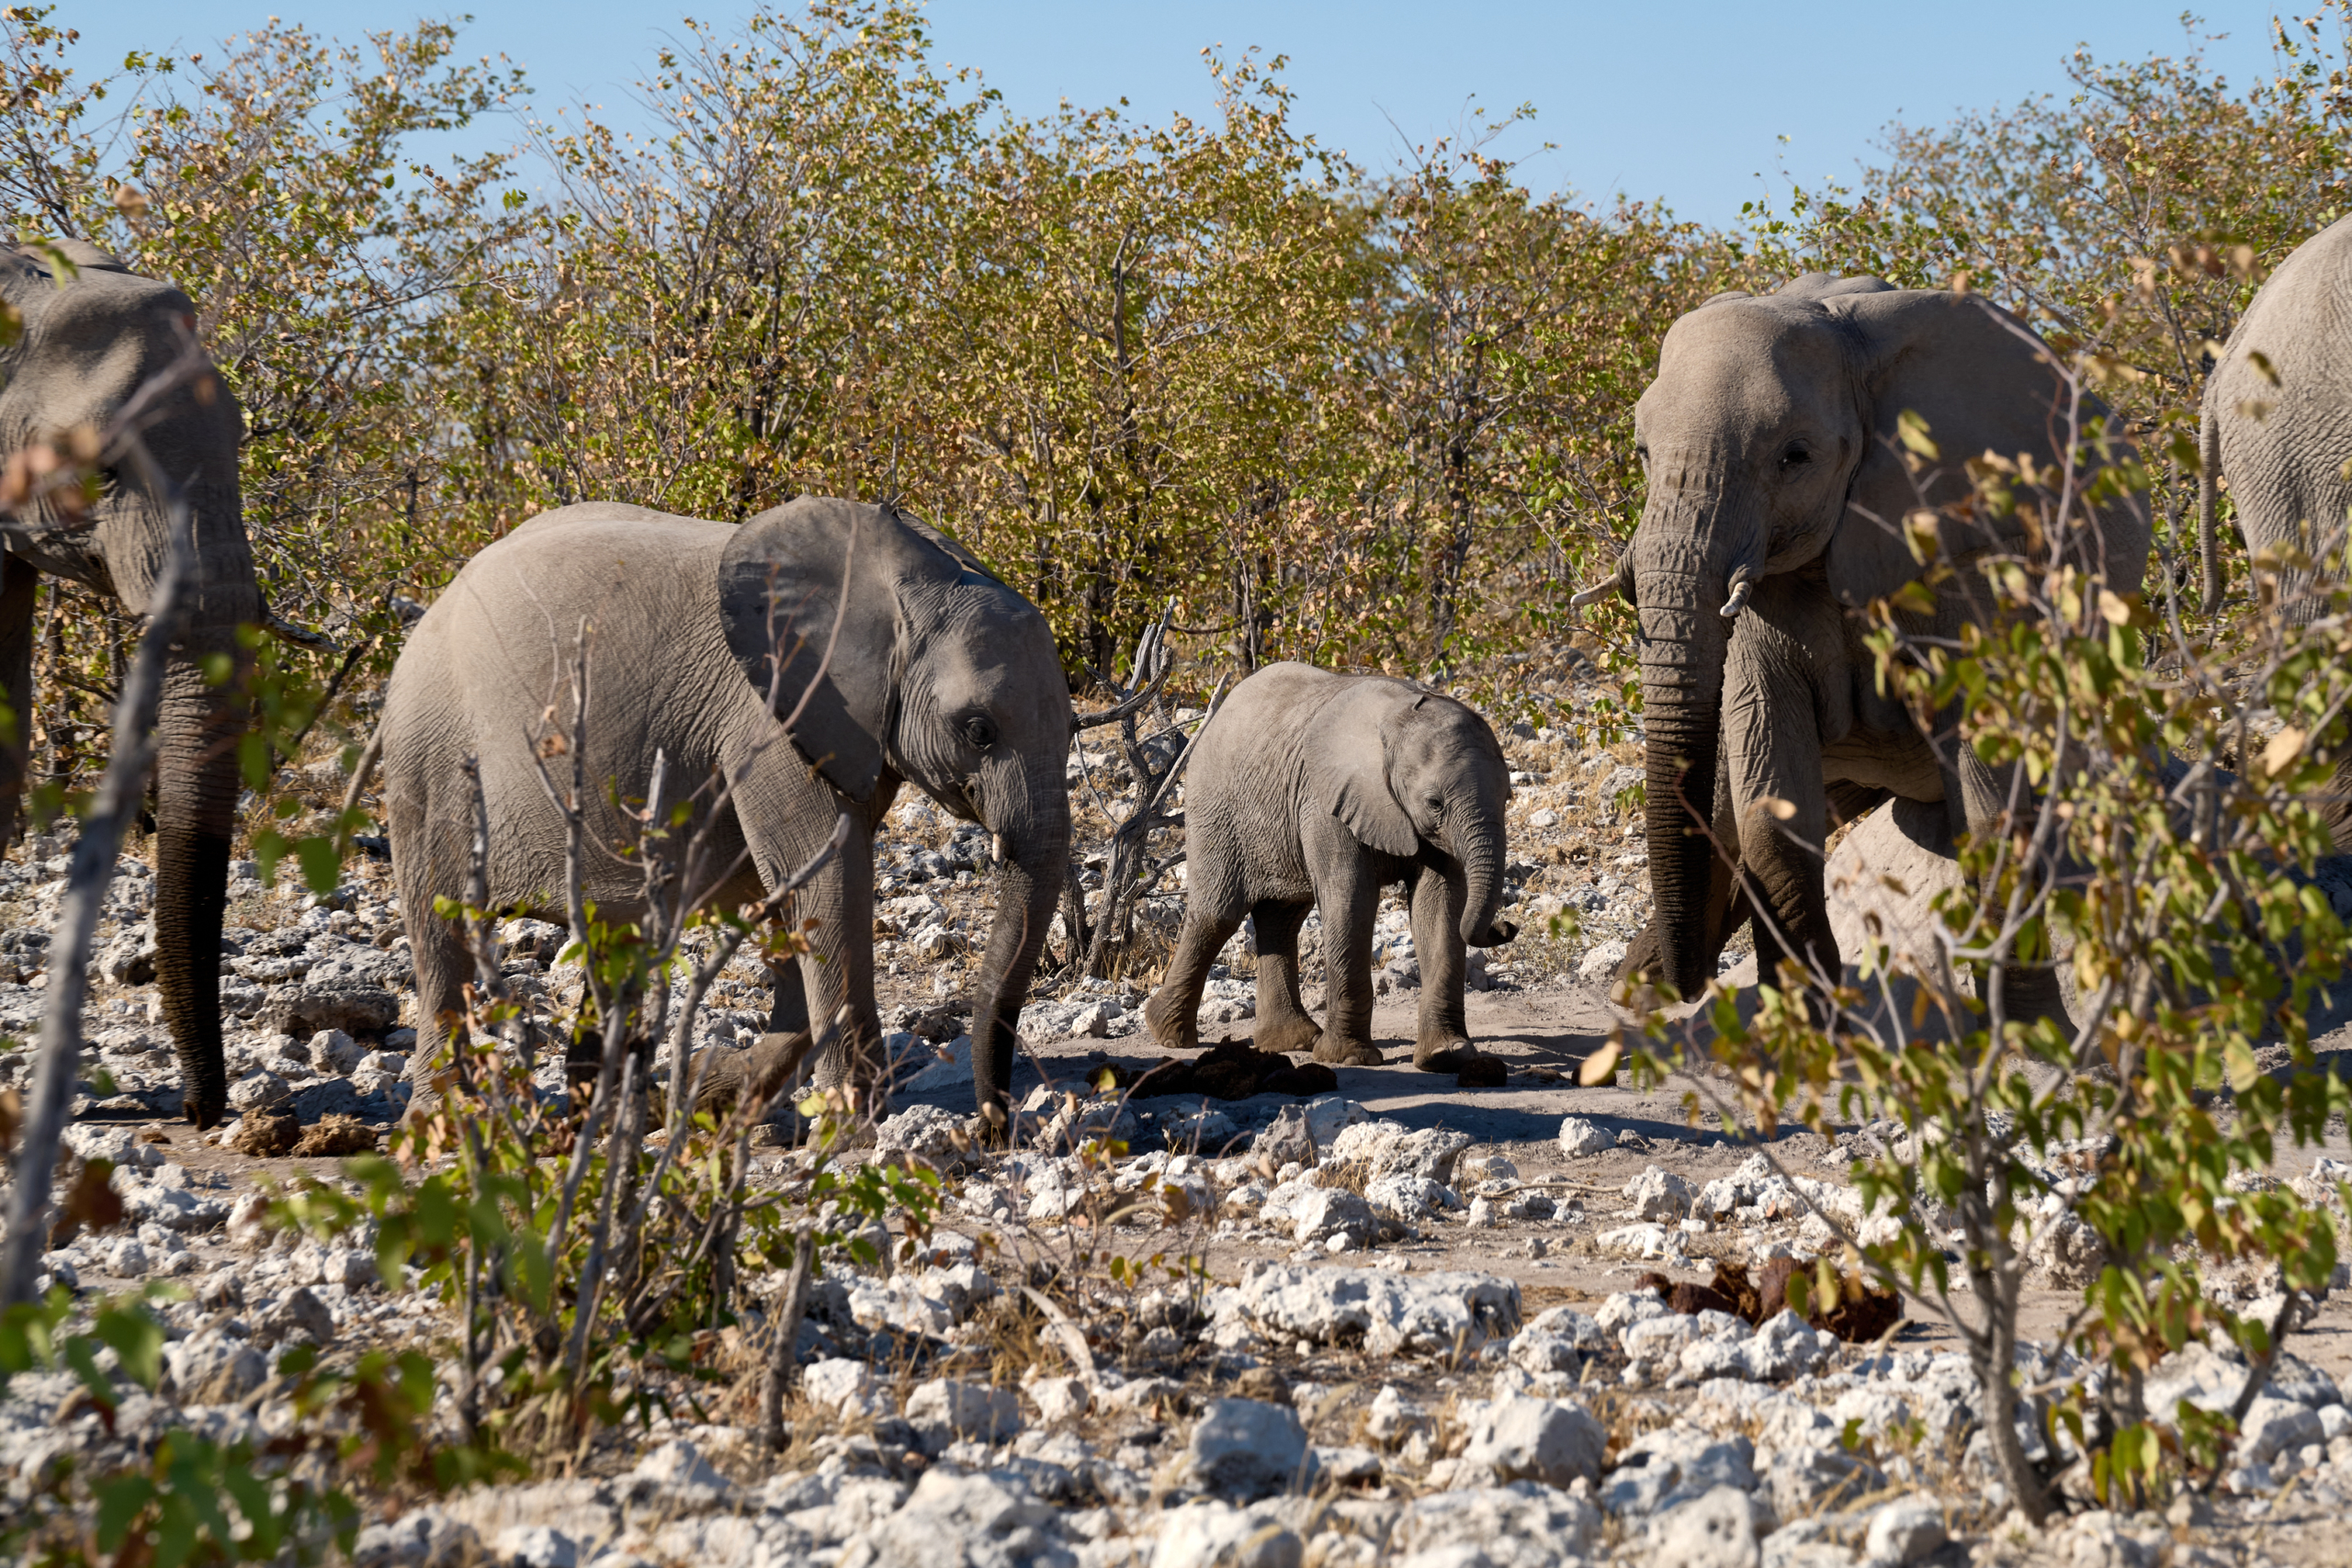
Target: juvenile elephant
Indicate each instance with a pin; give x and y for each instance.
(1776, 495)
(940, 675)
(2277, 419)
(95, 333)
(1310, 790)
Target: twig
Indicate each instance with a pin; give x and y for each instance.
(279, 756)
(92, 870)
(285, 630)
(784, 1339)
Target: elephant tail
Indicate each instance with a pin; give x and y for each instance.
(2208, 499)
(368, 757)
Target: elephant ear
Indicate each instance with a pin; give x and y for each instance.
(1977, 379)
(782, 580)
(953, 548)
(1349, 777)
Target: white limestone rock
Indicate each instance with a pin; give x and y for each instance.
(1550, 1440)
(1437, 1313)
(1245, 1448)
(1580, 1139)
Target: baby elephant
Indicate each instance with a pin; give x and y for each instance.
(1310, 789)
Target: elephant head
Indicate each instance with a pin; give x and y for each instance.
(1769, 440)
(94, 335)
(1416, 769)
(938, 674)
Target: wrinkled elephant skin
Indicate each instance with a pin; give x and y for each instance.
(2277, 423)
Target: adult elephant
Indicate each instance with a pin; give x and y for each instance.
(1776, 489)
(936, 673)
(94, 335)
(1311, 789)
(2277, 419)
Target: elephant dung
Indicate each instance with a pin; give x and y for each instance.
(337, 1134)
(266, 1134)
(1482, 1071)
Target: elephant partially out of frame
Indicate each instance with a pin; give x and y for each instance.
(2276, 420)
(1311, 790)
(1777, 495)
(936, 673)
(94, 335)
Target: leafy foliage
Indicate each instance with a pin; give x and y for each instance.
(189, 1497)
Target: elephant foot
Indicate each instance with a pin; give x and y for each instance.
(1443, 1053)
(1168, 1031)
(1334, 1051)
(1288, 1036)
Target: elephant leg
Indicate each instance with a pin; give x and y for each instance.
(1347, 889)
(787, 818)
(18, 585)
(1773, 752)
(789, 1012)
(1443, 1045)
(2334, 805)
(1283, 1022)
(1173, 1013)
(433, 856)
(1976, 797)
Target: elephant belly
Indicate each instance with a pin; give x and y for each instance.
(1901, 762)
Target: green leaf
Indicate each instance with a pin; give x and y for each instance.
(138, 1341)
(322, 862)
(121, 1502)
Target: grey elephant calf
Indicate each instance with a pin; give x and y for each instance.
(1314, 790)
(938, 674)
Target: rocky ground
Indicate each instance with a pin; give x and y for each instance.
(1381, 1317)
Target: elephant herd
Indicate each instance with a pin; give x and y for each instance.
(774, 675)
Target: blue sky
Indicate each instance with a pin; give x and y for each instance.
(1689, 103)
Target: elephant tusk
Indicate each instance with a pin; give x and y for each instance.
(1737, 601)
(1594, 595)
(996, 849)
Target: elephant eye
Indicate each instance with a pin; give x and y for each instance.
(1797, 454)
(980, 731)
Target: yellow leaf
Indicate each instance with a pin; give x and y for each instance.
(1602, 1066)
(1919, 531)
(2114, 609)
(2280, 754)
(1912, 431)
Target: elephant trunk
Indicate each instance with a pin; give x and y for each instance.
(1684, 638)
(1478, 845)
(1029, 888)
(197, 731)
